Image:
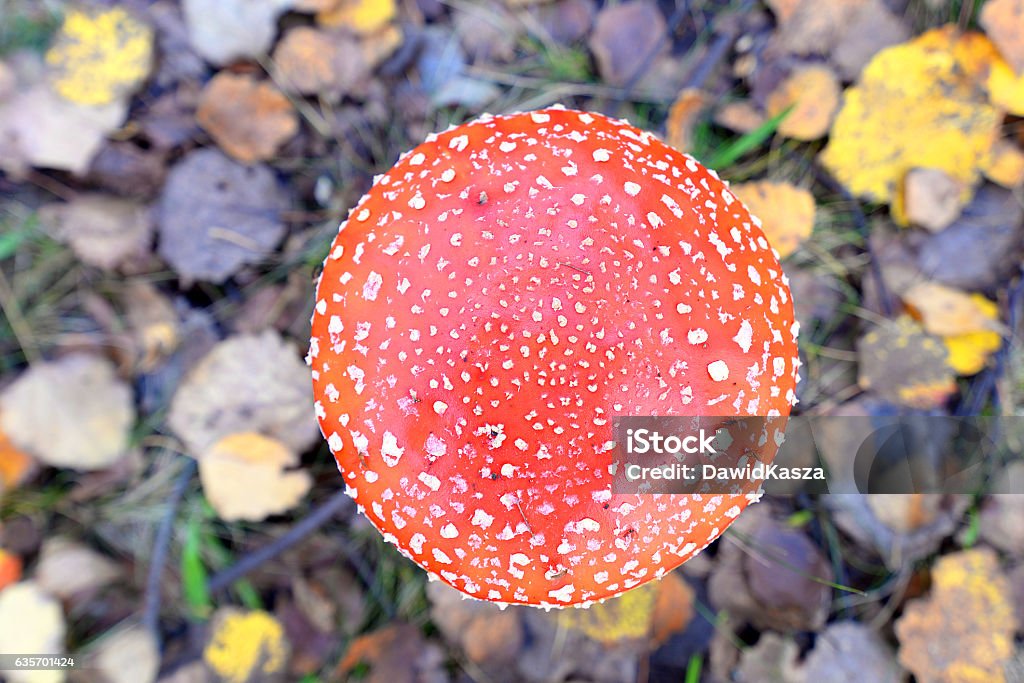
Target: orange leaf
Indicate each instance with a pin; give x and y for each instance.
(247, 118)
(10, 569)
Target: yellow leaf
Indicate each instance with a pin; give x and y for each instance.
(786, 212)
(969, 352)
(964, 630)
(624, 617)
(244, 477)
(945, 311)
(245, 646)
(1005, 88)
(361, 16)
(813, 92)
(100, 56)
(1005, 164)
(917, 104)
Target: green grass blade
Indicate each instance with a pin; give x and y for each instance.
(747, 142)
(693, 668)
(9, 242)
(193, 572)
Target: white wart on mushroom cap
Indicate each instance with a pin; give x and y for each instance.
(489, 305)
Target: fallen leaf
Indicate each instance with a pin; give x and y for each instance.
(915, 105)
(247, 383)
(396, 653)
(931, 198)
(871, 28)
(567, 21)
(10, 569)
(673, 608)
(969, 351)
(626, 617)
(305, 61)
(222, 31)
(903, 364)
(216, 215)
(1001, 515)
(360, 16)
(623, 38)
(130, 655)
(945, 311)
(773, 658)
(376, 48)
(247, 118)
(1005, 164)
(786, 212)
(487, 31)
(1005, 88)
(72, 412)
(245, 646)
(103, 231)
(152, 322)
(741, 116)
(15, 464)
(810, 27)
(99, 56)
(813, 94)
(1003, 21)
(851, 652)
(964, 630)
(904, 512)
(31, 622)
(484, 632)
(39, 128)
(247, 476)
(67, 568)
(683, 116)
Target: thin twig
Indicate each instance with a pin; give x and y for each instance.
(320, 515)
(161, 545)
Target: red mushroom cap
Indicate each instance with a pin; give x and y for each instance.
(493, 301)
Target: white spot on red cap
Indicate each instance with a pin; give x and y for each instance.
(718, 370)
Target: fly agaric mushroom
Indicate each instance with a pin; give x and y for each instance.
(493, 301)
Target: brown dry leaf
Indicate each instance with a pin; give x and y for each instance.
(72, 412)
(741, 117)
(683, 116)
(67, 567)
(31, 622)
(902, 363)
(247, 118)
(813, 27)
(964, 630)
(904, 512)
(673, 608)
(10, 569)
(304, 61)
(774, 658)
(1005, 164)
(103, 231)
(850, 652)
(40, 128)
(813, 94)
(359, 16)
(396, 653)
(1003, 21)
(786, 212)
(152, 322)
(945, 311)
(99, 56)
(246, 647)
(247, 383)
(623, 38)
(216, 215)
(485, 633)
(872, 27)
(247, 476)
(915, 105)
(129, 655)
(931, 198)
